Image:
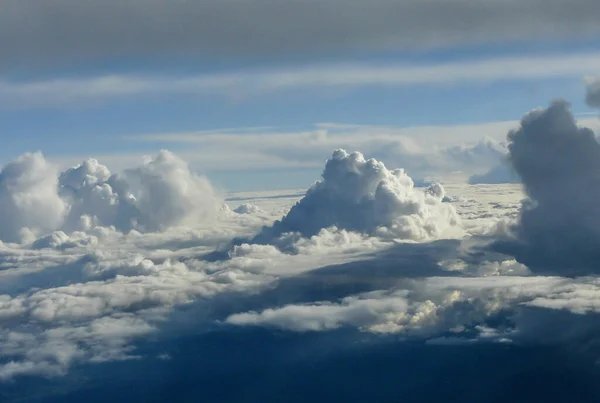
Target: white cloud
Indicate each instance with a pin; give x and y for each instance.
(244, 84)
(458, 305)
(363, 195)
(37, 200)
(170, 194)
(28, 197)
(501, 173)
(81, 297)
(422, 150)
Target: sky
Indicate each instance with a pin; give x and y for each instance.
(299, 200)
(117, 81)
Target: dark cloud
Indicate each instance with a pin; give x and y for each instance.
(559, 165)
(39, 33)
(341, 366)
(592, 92)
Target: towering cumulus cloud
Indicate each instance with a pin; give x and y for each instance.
(364, 196)
(559, 166)
(161, 193)
(29, 198)
(97, 198)
(169, 193)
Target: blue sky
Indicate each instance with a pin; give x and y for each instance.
(90, 98)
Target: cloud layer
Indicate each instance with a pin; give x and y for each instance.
(123, 268)
(68, 31)
(239, 85)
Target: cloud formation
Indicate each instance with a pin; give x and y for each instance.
(159, 194)
(502, 173)
(458, 147)
(133, 265)
(592, 92)
(240, 85)
(558, 163)
(363, 195)
(74, 32)
(29, 198)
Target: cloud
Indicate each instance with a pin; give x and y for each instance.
(29, 198)
(373, 312)
(457, 147)
(102, 296)
(37, 200)
(97, 198)
(247, 208)
(558, 163)
(240, 85)
(592, 94)
(170, 194)
(501, 173)
(502, 308)
(68, 32)
(364, 196)
(480, 154)
(77, 298)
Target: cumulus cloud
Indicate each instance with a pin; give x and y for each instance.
(28, 198)
(126, 261)
(169, 193)
(558, 163)
(363, 195)
(96, 197)
(37, 200)
(247, 208)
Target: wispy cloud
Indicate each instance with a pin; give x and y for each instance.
(418, 148)
(244, 84)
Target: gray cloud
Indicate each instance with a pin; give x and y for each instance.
(89, 31)
(592, 92)
(559, 165)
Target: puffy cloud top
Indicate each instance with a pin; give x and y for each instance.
(29, 198)
(559, 165)
(169, 193)
(36, 200)
(363, 195)
(97, 198)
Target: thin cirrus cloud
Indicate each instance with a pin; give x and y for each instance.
(39, 34)
(247, 83)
